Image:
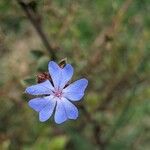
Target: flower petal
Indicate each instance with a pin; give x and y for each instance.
(60, 113)
(40, 89)
(71, 110)
(55, 73)
(75, 91)
(38, 103)
(66, 75)
(45, 106)
(60, 76)
(47, 111)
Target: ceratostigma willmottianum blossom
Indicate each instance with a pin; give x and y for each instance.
(58, 94)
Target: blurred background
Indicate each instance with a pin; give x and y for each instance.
(107, 41)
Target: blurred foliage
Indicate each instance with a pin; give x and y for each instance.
(107, 41)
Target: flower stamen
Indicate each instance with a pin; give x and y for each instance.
(58, 94)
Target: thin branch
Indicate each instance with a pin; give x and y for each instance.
(97, 128)
(113, 87)
(108, 34)
(34, 18)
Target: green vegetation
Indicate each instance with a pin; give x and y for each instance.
(108, 42)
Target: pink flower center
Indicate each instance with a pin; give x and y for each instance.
(58, 93)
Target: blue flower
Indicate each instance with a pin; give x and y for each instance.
(57, 97)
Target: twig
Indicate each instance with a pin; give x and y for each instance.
(97, 129)
(113, 28)
(106, 36)
(112, 89)
(128, 75)
(34, 18)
